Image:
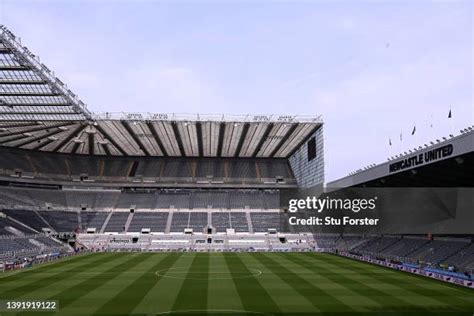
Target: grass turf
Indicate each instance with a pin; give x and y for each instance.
(231, 284)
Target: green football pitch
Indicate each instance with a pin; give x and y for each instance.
(230, 284)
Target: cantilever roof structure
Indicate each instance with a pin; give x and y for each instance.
(39, 112)
(29, 90)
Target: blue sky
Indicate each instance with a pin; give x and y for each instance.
(373, 69)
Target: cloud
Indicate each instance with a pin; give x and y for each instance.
(153, 88)
(378, 103)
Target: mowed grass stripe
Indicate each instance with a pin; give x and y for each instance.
(93, 300)
(71, 294)
(412, 283)
(385, 301)
(43, 268)
(407, 281)
(193, 292)
(161, 297)
(57, 277)
(317, 296)
(427, 283)
(130, 297)
(252, 294)
(222, 294)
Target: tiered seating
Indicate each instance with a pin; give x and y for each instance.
(77, 199)
(238, 221)
(405, 246)
(181, 169)
(27, 217)
(3, 225)
(346, 243)
(81, 165)
(52, 198)
(221, 221)
(117, 222)
(261, 222)
(274, 169)
(210, 168)
(49, 164)
(5, 222)
(174, 199)
(164, 199)
(327, 242)
(140, 200)
(9, 245)
(464, 259)
(106, 201)
(14, 244)
(11, 197)
(219, 200)
(437, 250)
(11, 161)
(177, 168)
(114, 168)
(378, 244)
(61, 221)
(179, 222)
(201, 199)
(155, 221)
(149, 168)
(242, 169)
(47, 241)
(93, 220)
(272, 200)
(442, 252)
(198, 221)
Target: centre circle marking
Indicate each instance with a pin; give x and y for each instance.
(183, 273)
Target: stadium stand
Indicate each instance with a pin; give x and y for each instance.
(220, 221)
(198, 221)
(46, 199)
(155, 221)
(142, 181)
(117, 222)
(238, 221)
(10, 227)
(27, 217)
(93, 220)
(136, 201)
(262, 222)
(438, 250)
(61, 221)
(180, 222)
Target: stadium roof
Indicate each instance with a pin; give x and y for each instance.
(29, 90)
(39, 112)
(447, 163)
(159, 137)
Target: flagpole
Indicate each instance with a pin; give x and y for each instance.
(416, 139)
(400, 143)
(450, 116)
(431, 126)
(389, 147)
(416, 136)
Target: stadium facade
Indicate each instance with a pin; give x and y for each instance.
(161, 182)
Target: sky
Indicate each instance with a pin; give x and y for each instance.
(372, 69)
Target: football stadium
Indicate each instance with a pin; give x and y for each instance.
(195, 214)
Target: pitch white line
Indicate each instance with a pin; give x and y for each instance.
(165, 273)
(226, 311)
